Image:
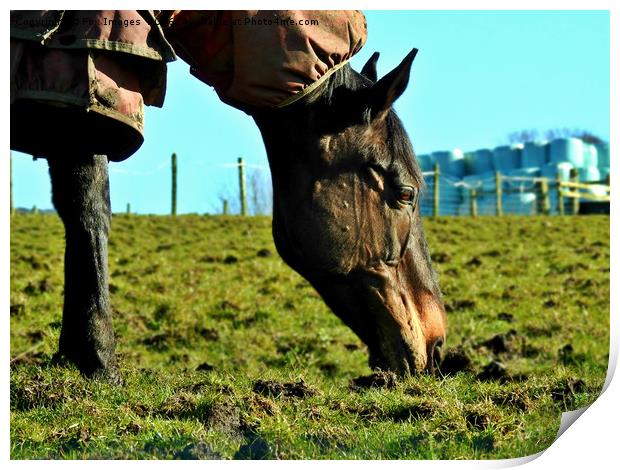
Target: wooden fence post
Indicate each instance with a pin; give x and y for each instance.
(499, 209)
(128, 208)
(225, 207)
(473, 203)
(242, 195)
(173, 210)
(544, 192)
(436, 191)
(560, 194)
(574, 177)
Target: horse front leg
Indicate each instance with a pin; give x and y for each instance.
(81, 195)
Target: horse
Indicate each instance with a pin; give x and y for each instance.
(346, 217)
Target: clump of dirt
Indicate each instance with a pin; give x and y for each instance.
(223, 417)
(550, 303)
(141, 409)
(474, 262)
(17, 309)
(263, 405)
(204, 367)
(494, 370)
(131, 428)
(158, 341)
(35, 336)
(478, 419)
(516, 399)
(30, 289)
(567, 356)
(329, 368)
(378, 379)
(507, 317)
(41, 287)
(264, 253)
(353, 346)
(492, 253)
(529, 351)
(177, 406)
(198, 451)
(500, 343)
(565, 393)
(459, 304)
(30, 359)
(40, 392)
(423, 410)
(547, 330)
(286, 389)
(440, 257)
(455, 360)
(209, 334)
(231, 259)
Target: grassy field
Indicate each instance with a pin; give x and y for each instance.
(227, 353)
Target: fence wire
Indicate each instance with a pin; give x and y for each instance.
(518, 195)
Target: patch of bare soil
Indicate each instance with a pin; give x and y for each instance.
(455, 360)
(501, 343)
(494, 370)
(413, 412)
(378, 379)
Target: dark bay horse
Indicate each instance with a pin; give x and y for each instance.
(346, 217)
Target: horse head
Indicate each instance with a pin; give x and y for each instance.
(346, 213)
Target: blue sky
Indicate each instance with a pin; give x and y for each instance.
(478, 76)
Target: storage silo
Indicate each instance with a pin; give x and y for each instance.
(552, 170)
(482, 162)
(470, 163)
(589, 174)
(567, 150)
(450, 162)
(602, 149)
(590, 155)
(534, 154)
(507, 157)
(424, 161)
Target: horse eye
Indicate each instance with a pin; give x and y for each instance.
(406, 194)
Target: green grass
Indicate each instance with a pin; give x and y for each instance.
(194, 291)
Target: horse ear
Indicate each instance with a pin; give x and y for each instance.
(370, 68)
(386, 91)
